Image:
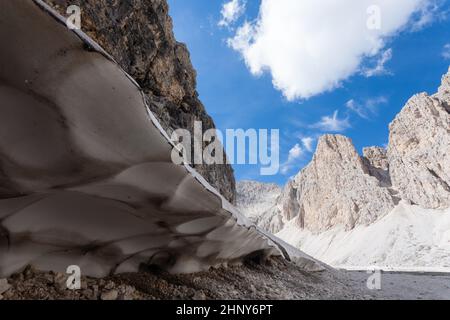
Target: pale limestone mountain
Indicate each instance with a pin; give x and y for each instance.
(340, 187)
(336, 188)
(419, 149)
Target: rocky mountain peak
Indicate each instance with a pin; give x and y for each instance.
(419, 145)
(337, 147)
(444, 90)
(335, 188)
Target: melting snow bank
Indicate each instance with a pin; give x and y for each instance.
(86, 176)
(409, 238)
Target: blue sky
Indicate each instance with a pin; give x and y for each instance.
(414, 61)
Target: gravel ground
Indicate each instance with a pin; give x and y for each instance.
(406, 285)
(271, 279)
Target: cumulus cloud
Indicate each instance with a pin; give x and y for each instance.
(368, 108)
(446, 51)
(308, 143)
(379, 68)
(332, 123)
(309, 49)
(231, 11)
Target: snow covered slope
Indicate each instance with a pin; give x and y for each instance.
(408, 238)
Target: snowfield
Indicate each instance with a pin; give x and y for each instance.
(409, 238)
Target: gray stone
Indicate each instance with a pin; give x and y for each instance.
(4, 286)
(199, 295)
(110, 295)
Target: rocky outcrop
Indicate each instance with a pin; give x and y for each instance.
(419, 149)
(335, 188)
(376, 157)
(378, 165)
(255, 197)
(257, 201)
(138, 34)
(443, 93)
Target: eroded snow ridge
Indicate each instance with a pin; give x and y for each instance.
(86, 175)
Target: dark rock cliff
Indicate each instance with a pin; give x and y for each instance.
(139, 35)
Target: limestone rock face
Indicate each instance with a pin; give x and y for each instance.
(286, 209)
(378, 165)
(258, 202)
(419, 149)
(254, 197)
(377, 157)
(335, 188)
(444, 91)
(139, 36)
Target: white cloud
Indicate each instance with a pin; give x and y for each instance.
(332, 123)
(295, 154)
(379, 68)
(367, 108)
(308, 143)
(231, 11)
(429, 12)
(310, 48)
(446, 51)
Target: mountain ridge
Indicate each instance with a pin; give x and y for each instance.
(340, 191)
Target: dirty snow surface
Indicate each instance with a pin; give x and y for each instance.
(86, 174)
